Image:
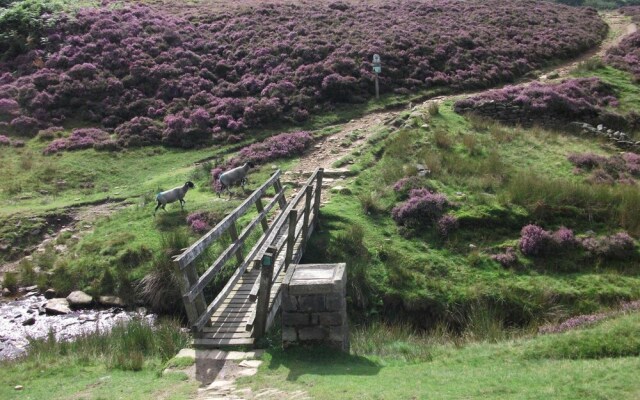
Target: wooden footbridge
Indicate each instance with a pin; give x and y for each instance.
(246, 307)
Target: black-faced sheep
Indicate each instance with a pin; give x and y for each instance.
(175, 194)
(233, 176)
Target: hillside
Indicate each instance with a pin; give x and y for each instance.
(471, 214)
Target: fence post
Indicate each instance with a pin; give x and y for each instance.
(277, 185)
(233, 232)
(264, 292)
(291, 237)
(307, 214)
(316, 204)
(188, 278)
(260, 207)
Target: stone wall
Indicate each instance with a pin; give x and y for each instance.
(314, 308)
(618, 138)
(515, 114)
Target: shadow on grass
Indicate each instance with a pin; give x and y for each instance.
(170, 219)
(321, 361)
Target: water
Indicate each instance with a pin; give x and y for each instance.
(13, 335)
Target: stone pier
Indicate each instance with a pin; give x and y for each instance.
(314, 307)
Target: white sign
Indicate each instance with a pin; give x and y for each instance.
(377, 67)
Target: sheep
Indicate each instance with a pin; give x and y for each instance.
(169, 196)
(238, 174)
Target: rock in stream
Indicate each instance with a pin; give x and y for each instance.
(26, 318)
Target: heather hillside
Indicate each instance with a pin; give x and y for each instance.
(185, 80)
(626, 55)
(490, 241)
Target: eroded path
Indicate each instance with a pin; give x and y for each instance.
(329, 150)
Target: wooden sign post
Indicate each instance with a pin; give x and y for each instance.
(377, 68)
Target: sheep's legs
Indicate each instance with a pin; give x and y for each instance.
(158, 206)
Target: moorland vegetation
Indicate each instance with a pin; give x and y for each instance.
(460, 230)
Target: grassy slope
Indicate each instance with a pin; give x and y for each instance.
(425, 273)
(517, 369)
(125, 363)
(64, 381)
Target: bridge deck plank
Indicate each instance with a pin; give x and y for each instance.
(229, 323)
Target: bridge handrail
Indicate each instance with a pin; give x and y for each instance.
(297, 222)
(229, 252)
(201, 244)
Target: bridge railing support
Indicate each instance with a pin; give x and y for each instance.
(299, 225)
(198, 311)
(262, 306)
(292, 227)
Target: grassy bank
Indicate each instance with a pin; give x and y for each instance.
(496, 179)
(125, 363)
(395, 365)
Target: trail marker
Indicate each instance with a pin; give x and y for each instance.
(377, 68)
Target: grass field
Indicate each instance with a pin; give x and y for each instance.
(527, 368)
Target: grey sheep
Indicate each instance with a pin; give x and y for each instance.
(231, 177)
(170, 196)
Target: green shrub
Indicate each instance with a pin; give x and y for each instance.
(160, 288)
(124, 286)
(433, 108)
(370, 202)
(590, 65)
(24, 23)
(348, 246)
(545, 197)
(28, 275)
(391, 342)
(442, 139)
(10, 281)
(472, 145)
(62, 280)
(107, 283)
(127, 346)
(480, 123)
(46, 259)
(132, 258)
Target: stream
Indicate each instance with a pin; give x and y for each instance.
(25, 318)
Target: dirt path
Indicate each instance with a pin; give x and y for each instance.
(82, 220)
(331, 149)
(619, 27)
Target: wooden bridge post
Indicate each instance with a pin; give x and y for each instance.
(233, 232)
(316, 204)
(291, 237)
(307, 214)
(189, 277)
(264, 293)
(277, 186)
(263, 222)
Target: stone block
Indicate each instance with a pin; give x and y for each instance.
(312, 303)
(313, 333)
(306, 279)
(335, 302)
(327, 318)
(295, 319)
(337, 333)
(289, 303)
(57, 306)
(289, 334)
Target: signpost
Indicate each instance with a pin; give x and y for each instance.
(377, 68)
